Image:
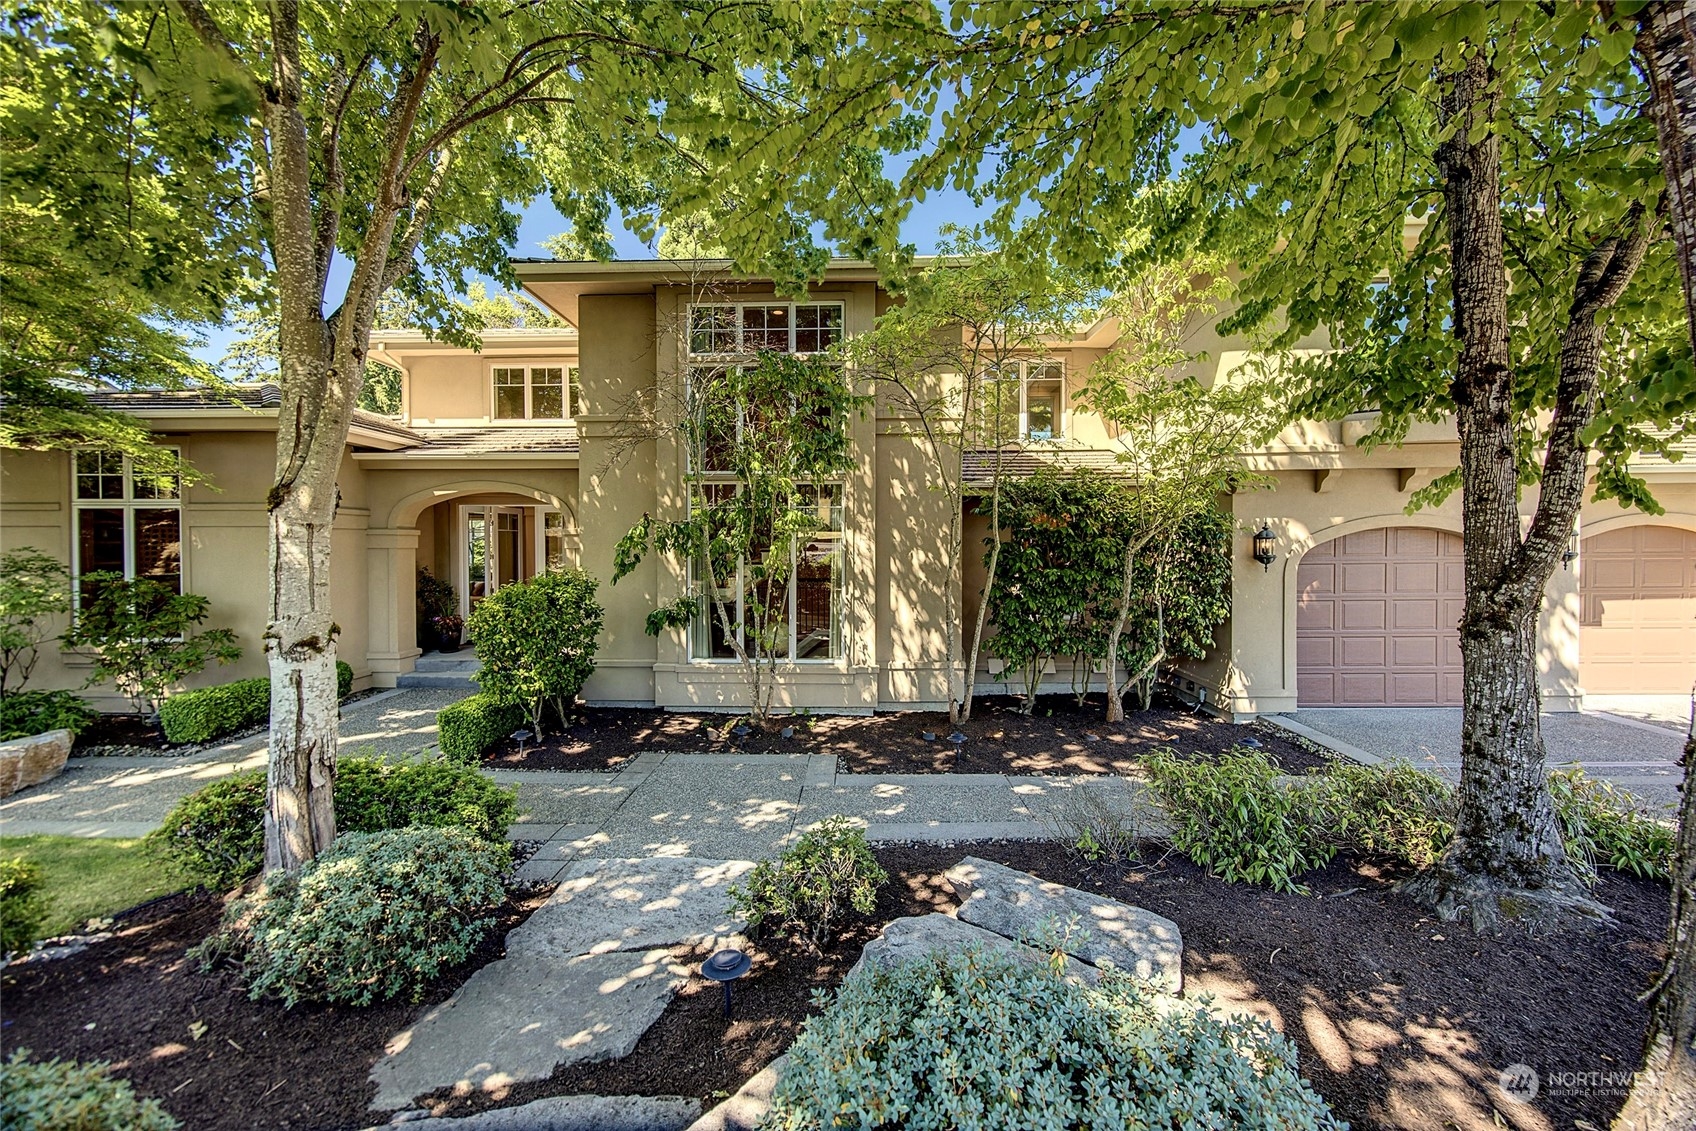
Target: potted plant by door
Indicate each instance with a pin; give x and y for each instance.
(448, 629)
(436, 599)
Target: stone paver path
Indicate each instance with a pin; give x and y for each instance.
(583, 978)
(1634, 754)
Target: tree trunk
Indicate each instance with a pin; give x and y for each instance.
(1115, 700)
(1507, 856)
(1663, 1095)
(1667, 41)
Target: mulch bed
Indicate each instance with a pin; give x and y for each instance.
(1402, 1021)
(120, 730)
(1058, 737)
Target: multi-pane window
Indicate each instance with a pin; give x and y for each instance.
(536, 392)
(805, 612)
(728, 329)
(127, 521)
(553, 541)
(1031, 395)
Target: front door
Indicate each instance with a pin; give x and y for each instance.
(494, 550)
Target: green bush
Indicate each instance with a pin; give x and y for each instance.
(1389, 810)
(25, 713)
(823, 875)
(467, 728)
(378, 916)
(974, 1042)
(1603, 826)
(217, 833)
(1235, 818)
(207, 713)
(22, 910)
(61, 1095)
(536, 641)
(35, 588)
(138, 631)
(211, 712)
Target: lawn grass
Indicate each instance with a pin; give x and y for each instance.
(92, 877)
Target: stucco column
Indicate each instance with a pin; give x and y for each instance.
(391, 577)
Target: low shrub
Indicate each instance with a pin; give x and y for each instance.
(26, 713)
(1604, 826)
(1389, 810)
(206, 713)
(1236, 819)
(22, 910)
(372, 795)
(537, 642)
(467, 728)
(212, 712)
(62, 1095)
(378, 916)
(217, 833)
(817, 880)
(1088, 826)
(976, 1041)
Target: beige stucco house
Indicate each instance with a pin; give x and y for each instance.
(540, 451)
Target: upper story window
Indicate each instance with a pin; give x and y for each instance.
(536, 392)
(1032, 393)
(734, 329)
(127, 521)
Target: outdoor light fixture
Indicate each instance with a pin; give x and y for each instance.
(1570, 554)
(521, 737)
(725, 967)
(1265, 546)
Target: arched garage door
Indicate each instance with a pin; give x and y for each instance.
(1637, 632)
(1376, 617)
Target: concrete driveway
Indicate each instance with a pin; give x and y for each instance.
(1633, 753)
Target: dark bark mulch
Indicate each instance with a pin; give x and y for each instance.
(121, 730)
(1059, 737)
(1402, 1021)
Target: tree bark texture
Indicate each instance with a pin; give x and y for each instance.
(1663, 1095)
(1667, 41)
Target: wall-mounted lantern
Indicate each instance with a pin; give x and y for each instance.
(1570, 554)
(1265, 546)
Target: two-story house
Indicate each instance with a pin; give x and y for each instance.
(545, 447)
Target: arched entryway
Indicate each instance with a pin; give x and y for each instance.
(1637, 628)
(1376, 619)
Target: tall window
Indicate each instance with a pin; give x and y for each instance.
(536, 392)
(809, 608)
(127, 522)
(723, 336)
(1035, 389)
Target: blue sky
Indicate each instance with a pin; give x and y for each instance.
(541, 221)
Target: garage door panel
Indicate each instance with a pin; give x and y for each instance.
(1387, 635)
(1637, 621)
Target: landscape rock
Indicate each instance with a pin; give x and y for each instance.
(520, 1018)
(747, 1109)
(607, 905)
(30, 761)
(1017, 905)
(913, 937)
(569, 1113)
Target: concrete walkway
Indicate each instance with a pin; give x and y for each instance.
(662, 803)
(1635, 754)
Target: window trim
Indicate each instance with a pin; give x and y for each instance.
(571, 393)
(1025, 365)
(129, 504)
(743, 354)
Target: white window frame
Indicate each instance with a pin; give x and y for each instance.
(1025, 366)
(742, 353)
(543, 514)
(571, 392)
(701, 631)
(129, 504)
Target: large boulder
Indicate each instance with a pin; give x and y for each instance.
(1020, 906)
(30, 761)
(906, 939)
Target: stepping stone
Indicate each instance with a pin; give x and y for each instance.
(1017, 905)
(572, 1113)
(607, 905)
(910, 938)
(583, 978)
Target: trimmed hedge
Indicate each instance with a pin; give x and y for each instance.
(217, 833)
(207, 713)
(471, 726)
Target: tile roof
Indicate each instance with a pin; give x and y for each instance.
(978, 465)
(495, 441)
(266, 395)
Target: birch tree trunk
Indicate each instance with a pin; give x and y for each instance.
(1507, 857)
